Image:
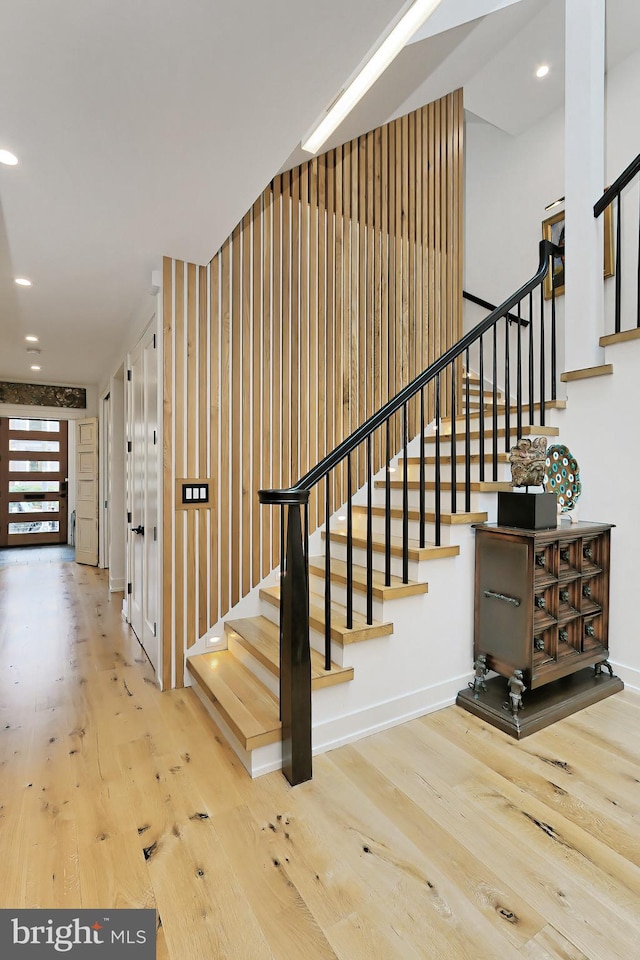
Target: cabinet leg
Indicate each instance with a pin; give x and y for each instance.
(597, 668)
(516, 689)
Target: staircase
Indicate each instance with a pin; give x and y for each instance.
(240, 686)
(376, 609)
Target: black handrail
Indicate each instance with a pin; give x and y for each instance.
(299, 493)
(617, 186)
(611, 194)
(295, 694)
(511, 317)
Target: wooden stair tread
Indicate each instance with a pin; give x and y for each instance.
(477, 486)
(261, 638)
(416, 552)
(623, 337)
(246, 705)
(460, 458)
(361, 630)
(479, 516)
(513, 409)
(586, 373)
(395, 590)
(527, 430)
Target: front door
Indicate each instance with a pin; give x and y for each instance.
(87, 491)
(33, 481)
(143, 494)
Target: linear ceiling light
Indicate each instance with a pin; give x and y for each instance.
(388, 50)
(9, 158)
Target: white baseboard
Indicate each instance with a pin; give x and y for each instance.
(630, 676)
(386, 714)
(116, 585)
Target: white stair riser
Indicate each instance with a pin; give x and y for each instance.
(381, 610)
(251, 663)
(378, 526)
(379, 497)
(316, 638)
(418, 570)
(504, 471)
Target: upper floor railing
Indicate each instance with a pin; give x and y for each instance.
(626, 245)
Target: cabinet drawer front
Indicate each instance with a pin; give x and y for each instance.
(504, 601)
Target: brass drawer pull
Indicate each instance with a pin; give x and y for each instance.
(501, 596)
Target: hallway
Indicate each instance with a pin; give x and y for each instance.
(439, 839)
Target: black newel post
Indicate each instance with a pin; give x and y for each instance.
(295, 654)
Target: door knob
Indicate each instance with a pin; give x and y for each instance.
(139, 529)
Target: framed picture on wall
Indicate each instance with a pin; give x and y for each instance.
(553, 230)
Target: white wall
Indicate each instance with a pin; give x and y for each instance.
(508, 183)
(595, 426)
(510, 180)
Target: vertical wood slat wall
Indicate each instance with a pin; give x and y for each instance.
(339, 286)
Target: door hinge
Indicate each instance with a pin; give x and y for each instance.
(129, 374)
(128, 516)
(129, 589)
(155, 438)
(106, 504)
(155, 629)
(129, 446)
(155, 533)
(154, 341)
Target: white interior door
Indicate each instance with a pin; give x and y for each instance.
(106, 481)
(87, 491)
(143, 498)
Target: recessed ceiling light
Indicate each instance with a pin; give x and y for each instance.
(31, 338)
(23, 282)
(34, 366)
(9, 158)
(542, 71)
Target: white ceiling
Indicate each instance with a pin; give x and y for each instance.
(148, 127)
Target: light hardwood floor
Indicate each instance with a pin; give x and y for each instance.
(439, 839)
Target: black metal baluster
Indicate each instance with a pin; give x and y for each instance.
(327, 577)
(422, 473)
(519, 377)
(283, 570)
(349, 548)
(387, 516)
(531, 366)
(454, 463)
(553, 348)
(467, 440)
(369, 535)
(405, 498)
(481, 425)
(494, 412)
(619, 265)
(638, 294)
(507, 386)
(542, 357)
(437, 490)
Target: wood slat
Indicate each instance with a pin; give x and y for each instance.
(247, 366)
(214, 418)
(237, 392)
(339, 285)
(266, 419)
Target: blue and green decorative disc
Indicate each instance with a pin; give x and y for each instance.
(562, 476)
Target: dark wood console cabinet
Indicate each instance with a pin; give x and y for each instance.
(542, 607)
